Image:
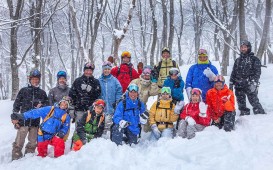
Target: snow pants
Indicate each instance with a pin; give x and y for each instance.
(122, 134)
(56, 142)
(167, 133)
(253, 99)
(227, 121)
(188, 131)
(18, 145)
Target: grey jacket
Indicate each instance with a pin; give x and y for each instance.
(57, 93)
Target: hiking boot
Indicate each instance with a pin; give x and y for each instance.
(245, 112)
(258, 111)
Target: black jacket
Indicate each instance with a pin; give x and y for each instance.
(82, 122)
(246, 68)
(28, 98)
(82, 97)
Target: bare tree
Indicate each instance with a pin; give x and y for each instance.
(242, 27)
(154, 25)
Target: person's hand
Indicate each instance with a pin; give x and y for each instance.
(123, 124)
(178, 107)
(253, 86)
(217, 120)
(190, 120)
(144, 117)
(209, 74)
(60, 134)
(203, 109)
(225, 98)
(188, 90)
(140, 66)
(156, 131)
(39, 105)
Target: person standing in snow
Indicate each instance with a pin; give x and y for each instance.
(201, 75)
(147, 87)
(162, 115)
(221, 104)
(84, 91)
(111, 93)
(194, 117)
(125, 73)
(90, 126)
(175, 82)
(53, 128)
(57, 93)
(28, 98)
(163, 67)
(245, 77)
(130, 112)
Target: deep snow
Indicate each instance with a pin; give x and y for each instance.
(249, 147)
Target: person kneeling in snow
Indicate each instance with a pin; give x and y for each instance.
(194, 117)
(90, 126)
(130, 112)
(162, 115)
(221, 104)
(55, 125)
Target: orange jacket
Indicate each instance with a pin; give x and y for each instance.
(217, 104)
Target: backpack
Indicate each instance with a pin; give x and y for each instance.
(48, 116)
(130, 71)
(160, 64)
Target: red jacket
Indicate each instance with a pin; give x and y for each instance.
(217, 105)
(124, 75)
(192, 110)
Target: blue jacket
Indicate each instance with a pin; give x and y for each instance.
(176, 86)
(197, 79)
(111, 92)
(51, 126)
(131, 113)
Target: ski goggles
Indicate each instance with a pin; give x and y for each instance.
(133, 87)
(166, 90)
(126, 54)
(219, 78)
(202, 52)
(100, 102)
(147, 71)
(196, 91)
(173, 72)
(107, 64)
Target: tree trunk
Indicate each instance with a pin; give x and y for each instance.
(243, 35)
(165, 23)
(171, 33)
(154, 40)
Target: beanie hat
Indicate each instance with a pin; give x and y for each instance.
(61, 74)
(246, 43)
(165, 49)
(89, 66)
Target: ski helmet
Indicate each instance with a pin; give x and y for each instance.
(61, 74)
(34, 73)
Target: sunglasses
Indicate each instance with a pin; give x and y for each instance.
(133, 87)
(166, 90)
(173, 72)
(196, 91)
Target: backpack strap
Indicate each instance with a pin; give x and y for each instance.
(88, 116)
(63, 117)
(50, 113)
(101, 119)
(130, 71)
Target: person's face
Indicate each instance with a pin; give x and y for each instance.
(34, 81)
(88, 72)
(203, 58)
(165, 96)
(98, 109)
(62, 81)
(63, 105)
(166, 54)
(218, 85)
(195, 98)
(106, 71)
(146, 76)
(243, 49)
(133, 95)
(174, 76)
(125, 59)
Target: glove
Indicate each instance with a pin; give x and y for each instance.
(86, 87)
(123, 124)
(209, 74)
(153, 80)
(60, 134)
(140, 66)
(188, 90)
(77, 145)
(231, 87)
(253, 86)
(111, 59)
(190, 121)
(178, 107)
(176, 83)
(225, 98)
(16, 116)
(156, 132)
(203, 109)
(84, 141)
(144, 117)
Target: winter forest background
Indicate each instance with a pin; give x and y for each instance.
(54, 35)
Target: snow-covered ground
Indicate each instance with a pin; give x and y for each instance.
(249, 147)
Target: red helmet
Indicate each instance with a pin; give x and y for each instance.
(99, 102)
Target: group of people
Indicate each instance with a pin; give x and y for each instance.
(115, 104)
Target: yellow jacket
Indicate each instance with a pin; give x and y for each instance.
(163, 115)
(166, 65)
(146, 89)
